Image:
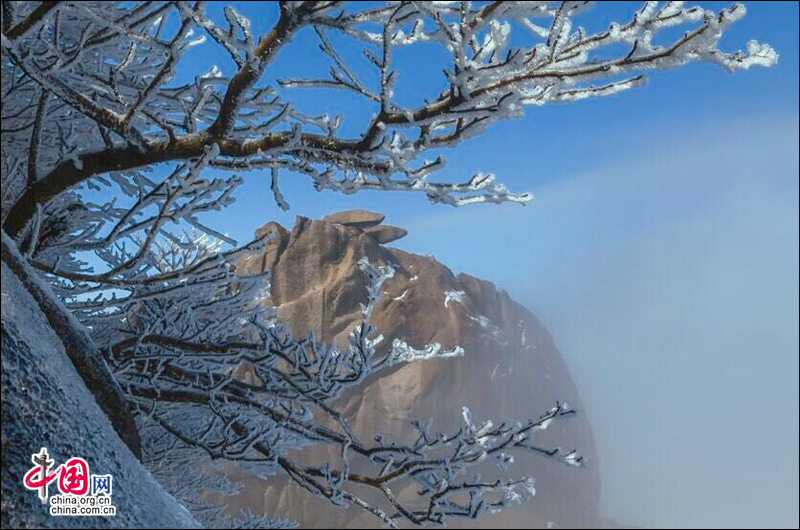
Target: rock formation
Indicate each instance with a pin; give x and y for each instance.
(45, 403)
(511, 369)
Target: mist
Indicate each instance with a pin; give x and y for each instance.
(669, 281)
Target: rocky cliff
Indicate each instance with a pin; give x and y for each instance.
(511, 368)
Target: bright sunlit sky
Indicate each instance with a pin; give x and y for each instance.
(661, 251)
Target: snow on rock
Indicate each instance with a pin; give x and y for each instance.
(495, 332)
(46, 404)
(401, 297)
(454, 296)
(402, 352)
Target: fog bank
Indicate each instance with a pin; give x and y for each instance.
(670, 283)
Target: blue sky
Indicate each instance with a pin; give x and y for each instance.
(551, 143)
(661, 251)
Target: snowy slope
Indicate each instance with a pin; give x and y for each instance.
(46, 404)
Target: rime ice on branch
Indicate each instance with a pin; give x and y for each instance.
(87, 88)
(90, 103)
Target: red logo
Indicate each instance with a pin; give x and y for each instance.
(73, 476)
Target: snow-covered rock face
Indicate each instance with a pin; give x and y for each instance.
(510, 369)
(46, 404)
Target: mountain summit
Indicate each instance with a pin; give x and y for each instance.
(510, 363)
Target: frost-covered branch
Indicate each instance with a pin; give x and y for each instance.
(110, 66)
(249, 400)
(105, 151)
